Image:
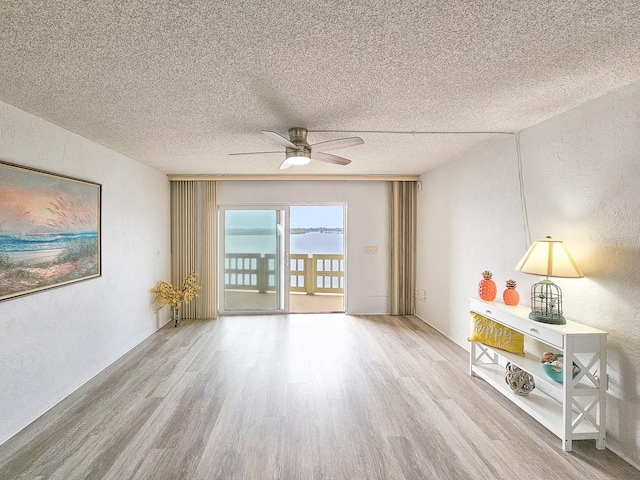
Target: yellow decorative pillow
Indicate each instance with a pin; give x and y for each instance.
(485, 330)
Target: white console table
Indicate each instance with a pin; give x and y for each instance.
(572, 410)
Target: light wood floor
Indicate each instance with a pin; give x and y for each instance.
(295, 397)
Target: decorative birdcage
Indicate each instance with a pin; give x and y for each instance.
(546, 303)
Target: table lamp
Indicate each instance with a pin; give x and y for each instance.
(552, 259)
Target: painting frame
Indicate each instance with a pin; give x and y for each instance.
(50, 230)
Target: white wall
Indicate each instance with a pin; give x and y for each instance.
(54, 341)
(582, 185)
(367, 283)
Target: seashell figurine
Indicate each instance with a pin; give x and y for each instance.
(548, 357)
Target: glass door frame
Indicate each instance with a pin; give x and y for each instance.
(282, 258)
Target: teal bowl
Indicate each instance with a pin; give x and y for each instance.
(554, 372)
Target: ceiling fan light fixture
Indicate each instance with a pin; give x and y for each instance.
(299, 152)
(298, 160)
(298, 157)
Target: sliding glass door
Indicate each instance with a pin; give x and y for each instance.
(252, 251)
(317, 258)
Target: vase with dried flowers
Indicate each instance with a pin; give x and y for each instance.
(175, 296)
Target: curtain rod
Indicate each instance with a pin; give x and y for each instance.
(296, 178)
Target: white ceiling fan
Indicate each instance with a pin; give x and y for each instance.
(299, 152)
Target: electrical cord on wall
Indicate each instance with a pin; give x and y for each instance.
(516, 135)
(523, 199)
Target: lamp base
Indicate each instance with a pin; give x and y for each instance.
(555, 320)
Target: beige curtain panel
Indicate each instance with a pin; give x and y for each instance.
(403, 248)
(193, 242)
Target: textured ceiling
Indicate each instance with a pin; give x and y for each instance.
(179, 85)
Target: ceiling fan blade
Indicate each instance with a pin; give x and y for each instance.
(255, 153)
(284, 165)
(279, 139)
(327, 157)
(337, 144)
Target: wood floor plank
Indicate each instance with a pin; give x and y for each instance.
(313, 397)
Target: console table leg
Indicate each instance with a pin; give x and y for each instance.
(567, 446)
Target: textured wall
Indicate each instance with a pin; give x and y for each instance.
(367, 219)
(54, 341)
(581, 173)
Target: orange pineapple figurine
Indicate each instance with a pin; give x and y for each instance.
(511, 295)
(487, 287)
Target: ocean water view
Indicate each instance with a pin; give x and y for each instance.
(309, 243)
(34, 249)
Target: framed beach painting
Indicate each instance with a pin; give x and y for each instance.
(49, 230)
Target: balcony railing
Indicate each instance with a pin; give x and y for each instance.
(318, 273)
(310, 274)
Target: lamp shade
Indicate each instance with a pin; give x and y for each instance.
(549, 258)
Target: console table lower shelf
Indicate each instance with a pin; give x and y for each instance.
(572, 412)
